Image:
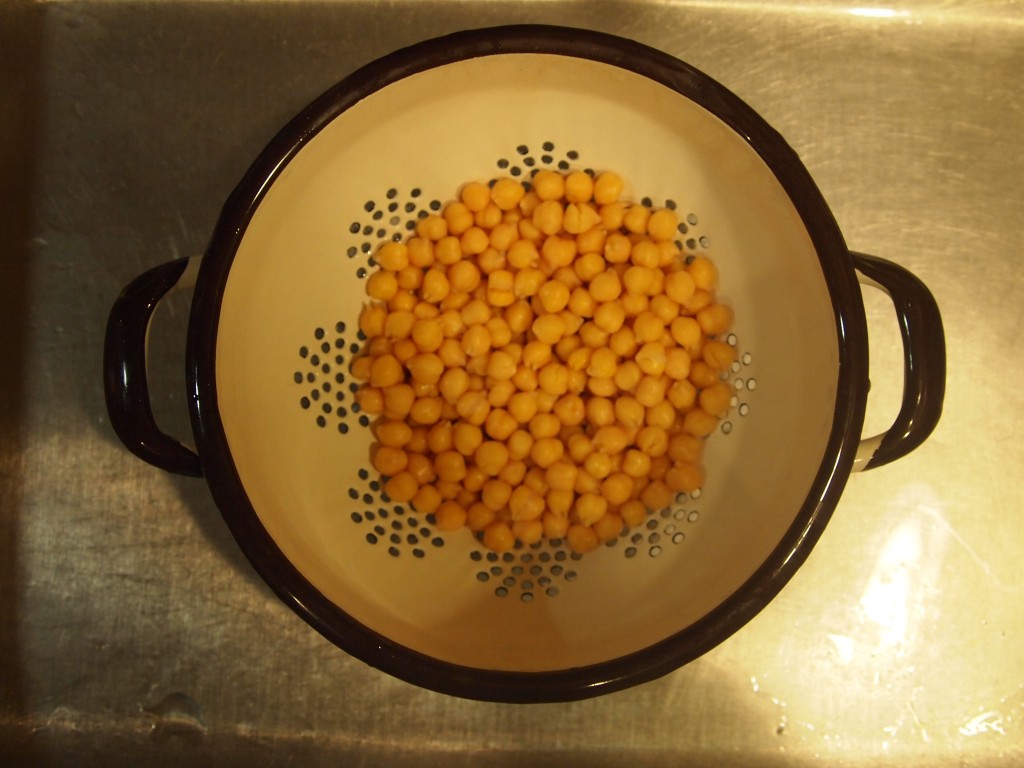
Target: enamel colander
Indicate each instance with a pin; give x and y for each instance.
(274, 328)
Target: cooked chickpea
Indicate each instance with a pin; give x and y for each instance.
(554, 296)
(715, 319)
(498, 537)
(661, 225)
(426, 410)
(398, 399)
(491, 457)
(704, 273)
(544, 425)
(473, 407)
(556, 519)
(507, 194)
(553, 378)
(716, 399)
(703, 375)
(581, 538)
(525, 503)
(425, 368)
(546, 451)
(588, 266)
(636, 463)
(500, 423)
(592, 240)
(549, 185)
(402, 487)
(699, 423)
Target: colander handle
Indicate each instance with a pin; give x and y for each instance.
(924, 362)
(124, 368)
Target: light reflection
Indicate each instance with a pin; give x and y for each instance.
(876, 13)
(887, 598)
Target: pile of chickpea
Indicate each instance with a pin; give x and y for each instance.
(543, 361)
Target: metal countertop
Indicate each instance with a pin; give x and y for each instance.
(131, 628)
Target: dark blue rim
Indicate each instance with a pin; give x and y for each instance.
(578, 683)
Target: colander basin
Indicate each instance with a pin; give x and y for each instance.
(273, 328)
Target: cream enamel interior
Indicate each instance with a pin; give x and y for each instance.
(436, 130)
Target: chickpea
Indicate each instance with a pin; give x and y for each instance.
(491, 457)
(549, 185)
(716, 399)
(428, 335)
(629, 413)
(600, 411)
(661, 415)
(636, 463)
(628, 376)
(703, 272)
(570, 409)
(611, 439)
(499, 392)
(519, 443)
(653, 441)
(525, 503)
(638, 280)
(536, 354)
(582, 303)
(579, 446)
(425, 368)
(479, 516)
(544, 425)
(588, 266)
(592, 240)
(426, 410)
(665, 309)
(589, 508)
(554, 525)
(528, 531)
(547, 217)
(500, 423)
(609, 527)
(507, 194)
(715, 319)
(718, 354)
(605, 286)
(498, 537)
(489, 217)
(703, 375)
(553, 379)
(581, 538)
(633, 513)
(607, 188)
(398, 399)
(548, 328)
(603, 363)
(682, 395)
(473, 407)
(427, 499)
(657, 495)
(475, 195)
(699, 423)
(684, 478)
(401, 487)
(546, 451)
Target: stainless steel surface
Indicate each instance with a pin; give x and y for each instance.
(132, 628)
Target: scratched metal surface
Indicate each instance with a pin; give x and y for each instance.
(133, 630)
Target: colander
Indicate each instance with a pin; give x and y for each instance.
(273, 329)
